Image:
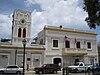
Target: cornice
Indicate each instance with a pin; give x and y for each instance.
(68, 30)
(28, 48)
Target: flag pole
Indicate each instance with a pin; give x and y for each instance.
(75, 42)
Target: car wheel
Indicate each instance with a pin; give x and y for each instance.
(1, 72)
(18, 72)
(96, 70)
(88, 70)
(36, 72)
(55, 71)
(76, 70)
(40, 72)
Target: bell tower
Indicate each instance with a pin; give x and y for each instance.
(21, 27)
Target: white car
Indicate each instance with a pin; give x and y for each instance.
(11, 69)
(79, 67)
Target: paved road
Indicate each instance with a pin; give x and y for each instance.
(59, 73)
(48, 74)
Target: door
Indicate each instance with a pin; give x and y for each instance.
(76, 60)
(57, 61)
(3, 60)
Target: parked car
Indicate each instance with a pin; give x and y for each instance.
(79, 67)
(11, 69)
(95, 67)
(47, 68)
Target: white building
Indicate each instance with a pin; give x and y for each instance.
(68, 46)
(49, 46)
(12, 53)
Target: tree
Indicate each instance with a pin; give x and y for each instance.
(92, 7)
(5, 40)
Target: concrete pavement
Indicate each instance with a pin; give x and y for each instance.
(33, 73)
(59, 73)
(29, 72)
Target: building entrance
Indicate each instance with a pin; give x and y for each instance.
(76, 60)
(57, 61)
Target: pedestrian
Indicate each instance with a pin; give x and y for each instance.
(27, 67)
(59, 64)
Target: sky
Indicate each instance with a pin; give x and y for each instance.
(68, 13)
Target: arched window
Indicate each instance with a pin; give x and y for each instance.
(24, 32)
(19, 32)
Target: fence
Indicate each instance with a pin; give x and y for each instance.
(65, 71)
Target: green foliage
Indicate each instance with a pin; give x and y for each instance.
(92, 7)
(5, 40)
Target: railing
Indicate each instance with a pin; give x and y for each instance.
(74, 50)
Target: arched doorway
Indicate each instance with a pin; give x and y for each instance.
(76, 60)
(57, 61)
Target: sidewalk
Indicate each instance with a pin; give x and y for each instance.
(33, 73)
(29, 72)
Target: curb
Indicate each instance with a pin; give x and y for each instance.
(29, 72)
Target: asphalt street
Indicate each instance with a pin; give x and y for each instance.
(59, 73)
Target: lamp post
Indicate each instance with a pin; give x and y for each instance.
(24, 44)
(15, 55)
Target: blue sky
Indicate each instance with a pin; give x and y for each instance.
(68, 13)
(8, 6)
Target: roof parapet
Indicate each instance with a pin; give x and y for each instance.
(55, 28)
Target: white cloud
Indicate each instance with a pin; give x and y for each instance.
(58, 12)
(29, 3)
(5, 26)
(67, 13)
(98, 37)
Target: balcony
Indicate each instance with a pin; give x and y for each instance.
(75, 51)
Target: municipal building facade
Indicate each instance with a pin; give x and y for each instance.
(53, 44)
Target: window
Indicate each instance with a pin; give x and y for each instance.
(41, 41)
(55, 43)
(78, 45)
(24, 32)
(19, 32)
(89, 45)
(28, 59)
(12, 67)
(67, 44)
(81, 64)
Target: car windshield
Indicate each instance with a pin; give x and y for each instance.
(96, 64)
(76, 64)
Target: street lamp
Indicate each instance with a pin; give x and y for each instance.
(15, 55)
(24, 44)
